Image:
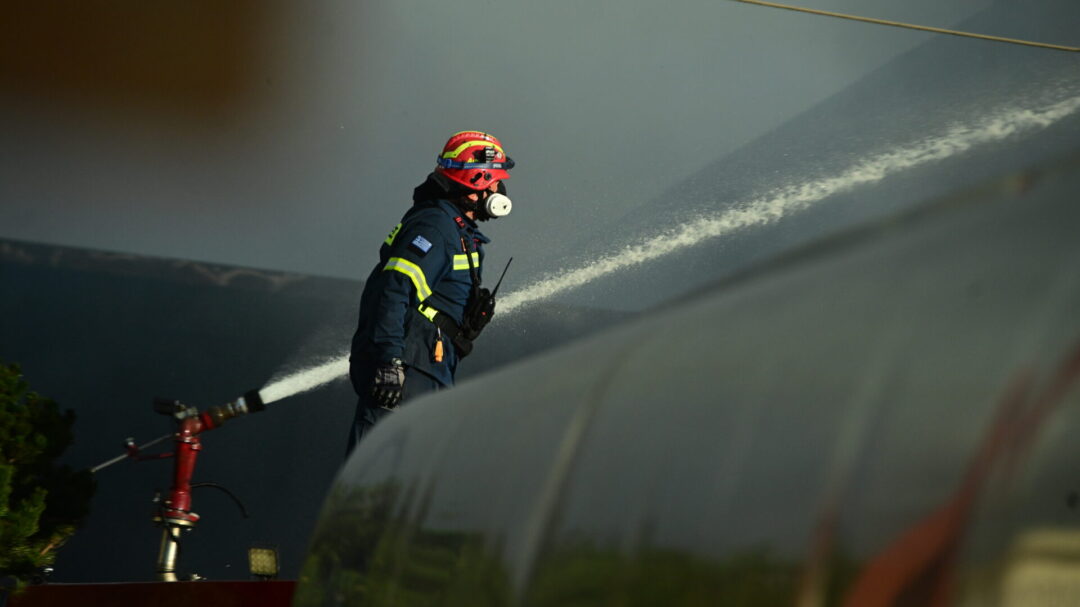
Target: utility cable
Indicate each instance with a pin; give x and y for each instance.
(925, 28)
(243, 510)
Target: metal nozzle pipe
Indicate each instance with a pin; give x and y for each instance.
(167, 553)
(253, 400)
(250, 402)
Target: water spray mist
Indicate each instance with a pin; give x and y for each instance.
(763, 210)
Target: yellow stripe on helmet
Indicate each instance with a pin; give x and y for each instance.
(471, 143)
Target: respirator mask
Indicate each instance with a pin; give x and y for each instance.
(497, 205)
(492, 205)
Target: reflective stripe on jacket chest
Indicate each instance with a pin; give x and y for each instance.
(461, 261)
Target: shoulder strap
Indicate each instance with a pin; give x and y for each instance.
(472, 269)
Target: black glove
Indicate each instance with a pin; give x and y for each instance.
(389, 379)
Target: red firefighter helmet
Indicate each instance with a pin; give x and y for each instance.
(474, 159)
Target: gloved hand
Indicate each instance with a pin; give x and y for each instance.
(389, 379)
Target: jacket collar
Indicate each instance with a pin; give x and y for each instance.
(433, 192)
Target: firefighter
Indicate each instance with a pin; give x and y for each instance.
(423, 305)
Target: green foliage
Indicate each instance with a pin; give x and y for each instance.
(583, 574)
(363, 553)
(41, 503)
(372, 549)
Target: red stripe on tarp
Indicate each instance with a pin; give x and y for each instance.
(158, 594)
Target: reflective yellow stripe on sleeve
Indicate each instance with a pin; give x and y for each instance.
(393, 235)
(415, 274)
(461, 262)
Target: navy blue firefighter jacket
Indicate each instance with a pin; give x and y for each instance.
(422, 265)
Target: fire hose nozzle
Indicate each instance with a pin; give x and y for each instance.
(253, 400)
(250, 402)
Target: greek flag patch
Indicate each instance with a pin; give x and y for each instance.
(421, 244)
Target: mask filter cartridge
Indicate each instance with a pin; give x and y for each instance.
(498, 205)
